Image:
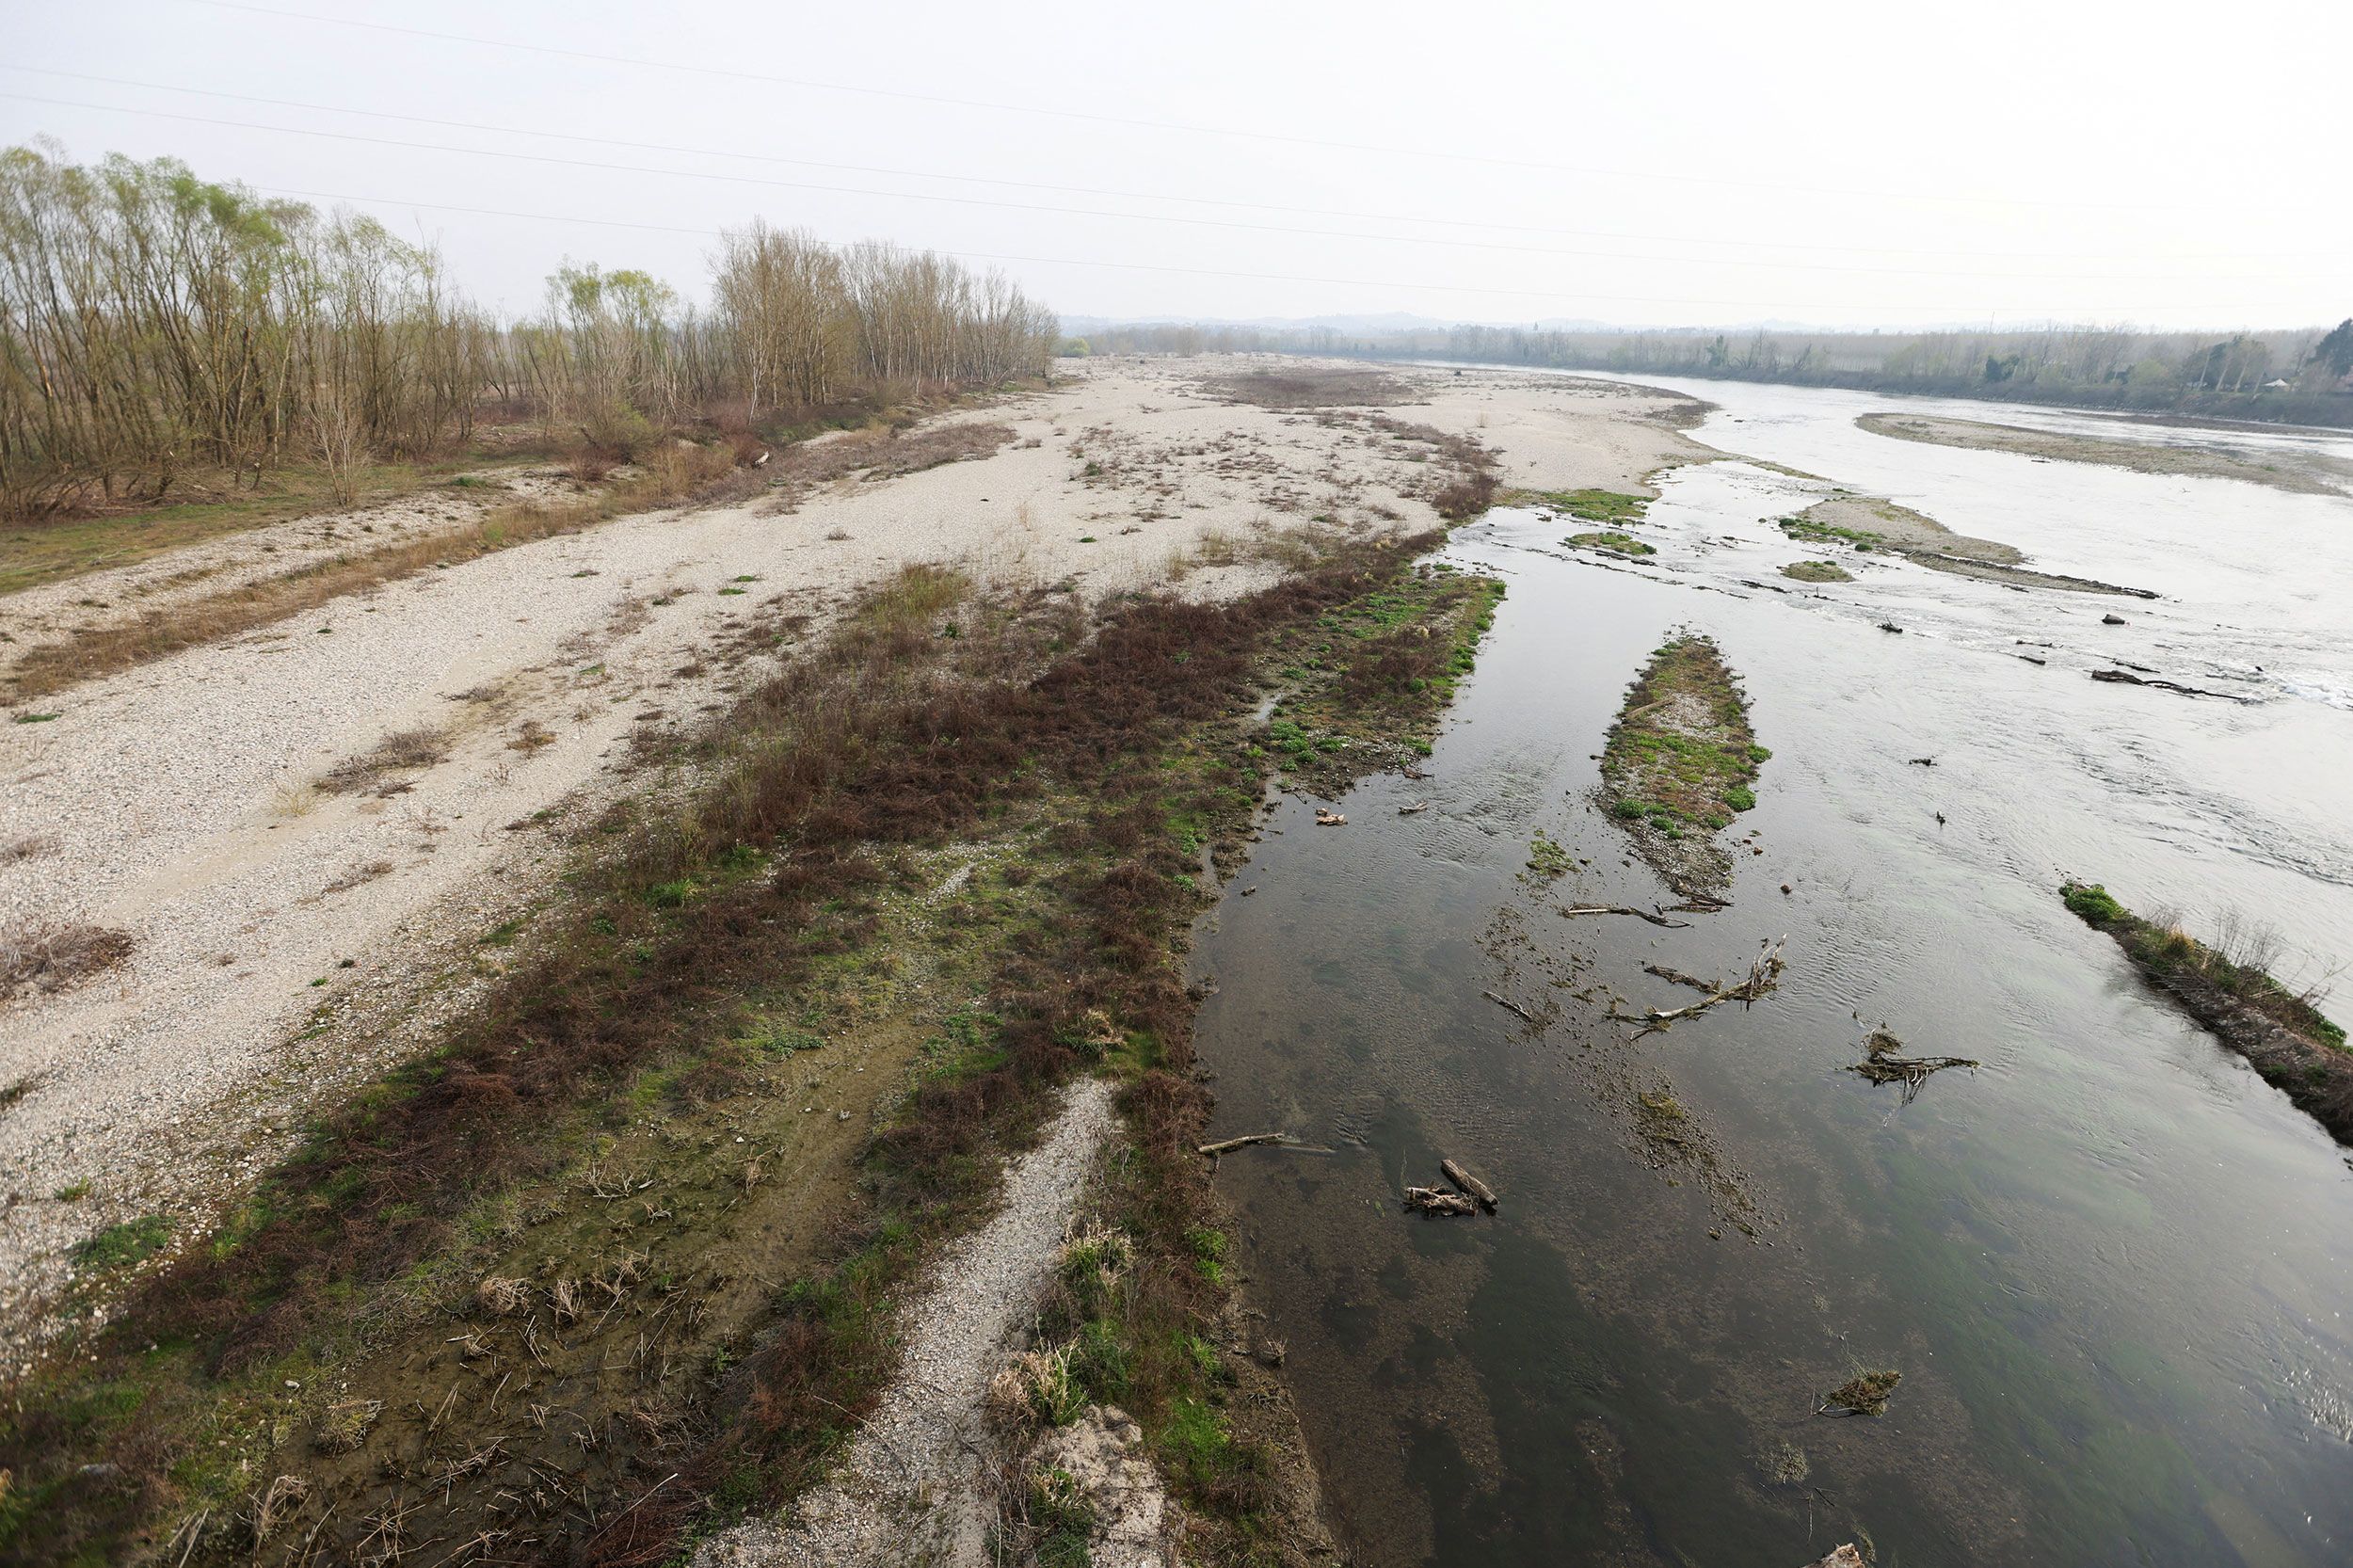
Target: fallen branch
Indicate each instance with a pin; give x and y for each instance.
(1410, 810)
(1328, 819)
(1470, 1184)
(1882, 1064)
(1508, 1005)
(1213, 1150)
(1763, 976)
(1622, 909)
(1663, 972)
(2121, 679)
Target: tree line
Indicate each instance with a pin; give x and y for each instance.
(2298, 376)
(152, 324)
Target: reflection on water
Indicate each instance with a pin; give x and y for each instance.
(2112, 1265)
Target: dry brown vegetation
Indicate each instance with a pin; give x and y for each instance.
(1313, 388)
(403, 751)
(671, 476)
(52, 955)
(883, 452)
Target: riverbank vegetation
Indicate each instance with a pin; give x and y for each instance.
(2227, 986)
(165, 339)
(616, 1257)
(1816, 571)
(1680, 762)
(2295, 375)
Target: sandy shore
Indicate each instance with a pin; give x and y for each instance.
(289, 942)
(2302, 474)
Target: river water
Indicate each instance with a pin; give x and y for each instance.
(2113, 1265)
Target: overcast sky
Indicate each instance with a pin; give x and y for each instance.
(2150, 161)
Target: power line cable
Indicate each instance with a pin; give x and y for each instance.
(1087, 212)
(1155, 266)
(810, 83)
(1075, 190)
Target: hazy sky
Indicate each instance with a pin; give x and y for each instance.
(2150, 161)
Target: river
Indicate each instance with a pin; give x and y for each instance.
(2112, 1265)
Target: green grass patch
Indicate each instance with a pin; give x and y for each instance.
(1610, 542)
(1591, 505)
(1811, 532)
(1681, 758)
(1817, 571)
(119, 1246)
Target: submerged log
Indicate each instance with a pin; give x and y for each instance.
(1470, 1183)
(1213, 1150)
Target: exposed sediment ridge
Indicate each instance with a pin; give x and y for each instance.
(1867, 524)
(2301, 473)
(2283, 1035)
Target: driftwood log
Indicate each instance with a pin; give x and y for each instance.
(1655, 918)
(1436, 1200)
(1470, 1183)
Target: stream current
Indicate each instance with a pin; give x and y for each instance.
(2112, 1265)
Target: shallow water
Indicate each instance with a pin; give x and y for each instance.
(2112, 1264)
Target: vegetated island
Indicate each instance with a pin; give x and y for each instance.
(1680, 762)
(1816, 571)
(1613, 509)
(1866, 524)
(2280, 1032)
(2301, 473)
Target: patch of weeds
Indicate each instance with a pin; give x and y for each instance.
(1058, 1511)
(1593, 506)
(1825, 532)
(1610, 542)
(1866, 1393)
(1681, 760)
(1817, 571)
(73, 1193)
(119, 1246)
(504, 934)
(1209, 1253)
(37, 718)
(1547, 857)
(2094, 905)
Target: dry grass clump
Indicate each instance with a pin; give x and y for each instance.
(1312, 388)
(403, 751)
(881, 452)
(52, 955)
(25, 846)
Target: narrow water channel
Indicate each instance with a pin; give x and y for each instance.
(2112, 1265)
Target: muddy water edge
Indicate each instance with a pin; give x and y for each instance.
(2111, 1263)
